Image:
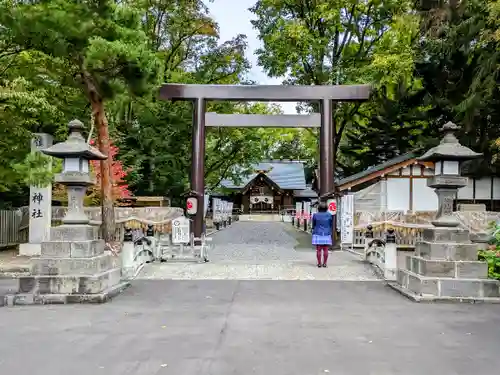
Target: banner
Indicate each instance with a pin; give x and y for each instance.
(216, 210)
(224, 210)
(347, 219)
(206, 200)
(307, 210)
(298, 210)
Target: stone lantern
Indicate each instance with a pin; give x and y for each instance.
(445, 265)
(447, 158)
(76, 155)
(73, 266)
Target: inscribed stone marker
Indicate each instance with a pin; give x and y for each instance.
(40, 206)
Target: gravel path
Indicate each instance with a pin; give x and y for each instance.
(263, 251)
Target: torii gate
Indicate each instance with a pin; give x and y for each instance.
(200, 94)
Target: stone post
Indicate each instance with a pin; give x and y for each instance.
(390, 256)
(128, 254)
(368, 237)
(40, 206)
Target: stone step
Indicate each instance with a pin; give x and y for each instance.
(47, 299)
(447, 288)
(70, 284)
(72, 266)
(447, 268)
(74, 249)
(446, 251)
(74, 233)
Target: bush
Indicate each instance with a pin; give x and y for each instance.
(492, 254)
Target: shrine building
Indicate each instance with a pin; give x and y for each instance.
(272, 186)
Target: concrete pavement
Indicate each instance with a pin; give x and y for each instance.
(252, 327)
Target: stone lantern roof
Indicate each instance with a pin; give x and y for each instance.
(75, 145)
(449, 148)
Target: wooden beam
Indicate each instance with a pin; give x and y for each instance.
(312, 120)
(273, 93)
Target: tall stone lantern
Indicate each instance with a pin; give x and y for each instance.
(445, 265)
(73, 266)
(76, 176)
(447, 158)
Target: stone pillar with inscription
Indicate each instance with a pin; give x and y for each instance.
(40, 205)
(445, 265)
(73, 266)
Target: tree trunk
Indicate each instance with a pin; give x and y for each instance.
(107, 213)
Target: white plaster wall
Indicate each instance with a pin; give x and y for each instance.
(483, 188)
(467, 191)
(424, 197)
(398, 194)
(496, 187)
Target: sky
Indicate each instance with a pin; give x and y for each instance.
(234, 18)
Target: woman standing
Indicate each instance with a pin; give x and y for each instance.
(322, 225)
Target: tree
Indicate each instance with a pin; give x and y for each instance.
(459, 69)
(322, 42)
(118, 175)
(97, 46)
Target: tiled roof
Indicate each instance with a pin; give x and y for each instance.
(288, 175)
(376, 168)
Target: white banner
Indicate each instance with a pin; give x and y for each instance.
(206, 199)
(224, 210)
(298, 209)
(216, 210)
(347, 219)
(307, 210)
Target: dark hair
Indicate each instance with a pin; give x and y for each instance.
(322, 207)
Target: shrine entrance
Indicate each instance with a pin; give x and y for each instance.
(200, 94)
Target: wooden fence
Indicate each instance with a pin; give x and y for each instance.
(14, 224)
(14, 227)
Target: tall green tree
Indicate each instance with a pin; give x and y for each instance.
(95, 45)
(319, 42)
(459, 70)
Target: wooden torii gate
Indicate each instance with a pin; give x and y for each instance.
(200, 94)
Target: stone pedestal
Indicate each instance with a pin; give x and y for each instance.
(445, 267)
(72, 268)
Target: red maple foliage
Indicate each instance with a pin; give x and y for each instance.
(120, 187)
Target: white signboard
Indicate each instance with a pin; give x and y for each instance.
(230, 209)
(180, 230)
(347, 219)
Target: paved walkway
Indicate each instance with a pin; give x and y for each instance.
(263, 251)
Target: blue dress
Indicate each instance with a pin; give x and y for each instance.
(322, 223)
